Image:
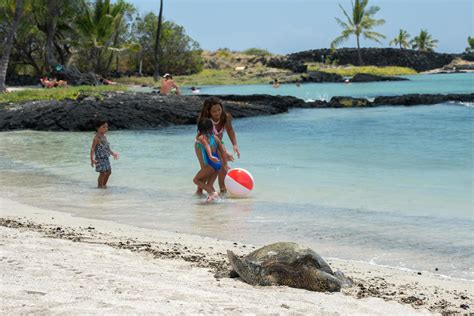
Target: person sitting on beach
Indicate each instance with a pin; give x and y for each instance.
(60, 83)
(100, 152)
(168, 86)
(275, 84)
(106, 81)
(46, 83)
(211, 149)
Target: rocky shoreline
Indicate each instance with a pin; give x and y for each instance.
(138, 111)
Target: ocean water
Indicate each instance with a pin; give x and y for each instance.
(388, 185)
(441, 83)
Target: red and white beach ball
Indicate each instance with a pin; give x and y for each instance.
(239, 182)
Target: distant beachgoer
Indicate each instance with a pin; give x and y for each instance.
(210, 146)
(100, 152)
(106, 81)
(275, 84)
(168, 86)
(46, 83)
(194, 90)
(214, 110)
(298, 83)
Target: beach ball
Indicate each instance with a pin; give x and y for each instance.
(239, 182)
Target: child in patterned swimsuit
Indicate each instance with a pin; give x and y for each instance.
(100, 152)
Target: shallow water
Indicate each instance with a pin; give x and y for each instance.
(442, 83)
(387, 185)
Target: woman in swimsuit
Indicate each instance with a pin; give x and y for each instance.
(209, 146)
(214, 110)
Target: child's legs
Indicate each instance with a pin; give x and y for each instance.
(222, 174)
(106, 177)
(211, 179)
(201, 178)
(201, 163)
(100, 180)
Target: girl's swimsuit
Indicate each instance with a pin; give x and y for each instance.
(102, 153)
(205, 157)
(218, 133)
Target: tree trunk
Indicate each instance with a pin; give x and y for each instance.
(156, 74)
(358, 52)
(9, 44)
(140, 67)
(53, 10)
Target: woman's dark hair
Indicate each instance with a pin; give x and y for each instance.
(205, 126)
(206, 110)
(99, 124)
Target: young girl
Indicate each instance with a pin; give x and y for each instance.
(214, 110)
(210, 148)
(100, 152)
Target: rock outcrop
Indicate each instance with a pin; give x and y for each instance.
(420, 61)
(150, 111)
(130, 111)
(373, 78)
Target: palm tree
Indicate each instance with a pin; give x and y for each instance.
(423, 42)
(360, 23)
(156, 73)
(401, 40)
(470, 41)
(98, 27)
(53, 11)
(9, 44)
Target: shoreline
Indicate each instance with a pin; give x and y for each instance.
(376, 290)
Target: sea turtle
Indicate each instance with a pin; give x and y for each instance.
(288, 263)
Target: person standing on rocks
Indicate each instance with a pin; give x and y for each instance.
(214, 110)
(168, 86)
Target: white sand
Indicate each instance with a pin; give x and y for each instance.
(53, 275)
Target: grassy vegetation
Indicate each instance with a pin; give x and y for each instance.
(350, 71)
(217, 77)
(257, 52)
(56, 93)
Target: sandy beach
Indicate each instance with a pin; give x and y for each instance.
(55, 263)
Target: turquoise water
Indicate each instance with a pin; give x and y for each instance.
(442, 83)
(387, 185)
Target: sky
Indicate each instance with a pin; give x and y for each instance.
(287, 26)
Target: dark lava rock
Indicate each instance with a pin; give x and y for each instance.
(321, 76)
(284, 63)
(130, 111)
(348, 102)
(373, 78)
(150, 111)
(420, 61)
(422, 99)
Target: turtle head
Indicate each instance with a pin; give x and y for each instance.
(247, 271)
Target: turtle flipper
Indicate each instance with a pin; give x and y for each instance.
(246, 270)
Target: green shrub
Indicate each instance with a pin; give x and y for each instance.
(256, 51)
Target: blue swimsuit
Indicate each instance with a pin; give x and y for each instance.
(206, 159)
